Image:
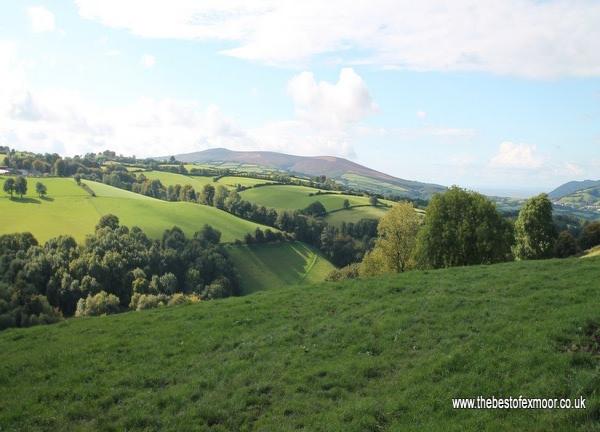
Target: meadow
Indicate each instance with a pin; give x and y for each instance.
(70, 209)
(291, 197)
(354, 214)
(377, 354)
(198, 182)
(277, 265)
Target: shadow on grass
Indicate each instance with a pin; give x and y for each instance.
(26, 200)
(46, 198)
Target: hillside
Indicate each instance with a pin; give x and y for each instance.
(343, 170)
(69, 209)
(573, 186)
(375, 354)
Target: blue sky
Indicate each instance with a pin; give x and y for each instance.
(502, 97)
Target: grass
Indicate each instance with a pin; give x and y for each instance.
(168, 179)
(290, 197)
(354, 214)
(69, 209)
(277, 265)
(367, 355)
(233, 181)
(592, 252)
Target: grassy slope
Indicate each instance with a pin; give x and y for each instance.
(297, 197)
(277, 265)
(592, 252)
(354, 214)
(380, 354)
(71, 210)
(168, 179)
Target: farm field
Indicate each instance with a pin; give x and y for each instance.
(354, 214)
(278, 265)
(233, 181)
(289, 197)
(385, 353)
(169, 179)
(69, 209)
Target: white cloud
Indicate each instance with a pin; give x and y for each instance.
(573, 169)
(331, 105)
(511, 155)
(41, 19)
(529, 38)
(148, 61)
(422, 115)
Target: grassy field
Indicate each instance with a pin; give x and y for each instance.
(592, 252)
(367, 355)
(278, 265)
(354, 214)
(168, 179)
(289, 197)
(70, 210)
(233, 181)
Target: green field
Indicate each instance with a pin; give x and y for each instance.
(70, 210)
(354, 214)
(233, 181)
(278, 265)
(168, 179)
(368, 355)
(289, 197)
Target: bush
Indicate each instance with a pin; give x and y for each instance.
(100, 304)
(182, 299)
(565, 246)
(147, 301)
(590, 236)
(351, 271)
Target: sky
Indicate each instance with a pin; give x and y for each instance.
(498, 96)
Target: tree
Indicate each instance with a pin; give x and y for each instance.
(590, 236)
(396, 241)
(566, 245)
(373, 200)
(21, 186)
(221, 194)
(535, 232)
(346, 203)
(315, 209)
(9, 186)
(462, 228)
(109, 220)
(207, 195)
(40, 189)
(77, 178)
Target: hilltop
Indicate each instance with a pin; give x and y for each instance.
(340, 169)
(573, 186)
(374, 354)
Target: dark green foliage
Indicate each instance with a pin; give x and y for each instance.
(566, 245)
(9, 186)
(41, 189)
(535, 232)
(315, 209)
(462, 228)
(382, 354)
(116, 261)
(590, 236)
(21, 186)
(373, 200)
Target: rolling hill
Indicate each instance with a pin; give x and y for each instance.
(69, 209)
(340, 169)
(573, 186)
(376, 354)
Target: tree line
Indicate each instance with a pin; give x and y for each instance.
(463, 228)
(116, 269)
(19, 186)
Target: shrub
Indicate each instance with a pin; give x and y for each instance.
(99, 304)
(565, 246)
(147, 301)
(351, 271)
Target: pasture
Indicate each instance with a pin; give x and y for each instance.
(385, 353)
(275, 265)
(68, 209)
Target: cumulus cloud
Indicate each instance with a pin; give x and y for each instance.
(65, 121)
(331, 105)
(522, 156)
(41, 19)
(556, 37)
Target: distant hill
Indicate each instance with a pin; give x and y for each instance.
(572, 186)
(343, 170)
